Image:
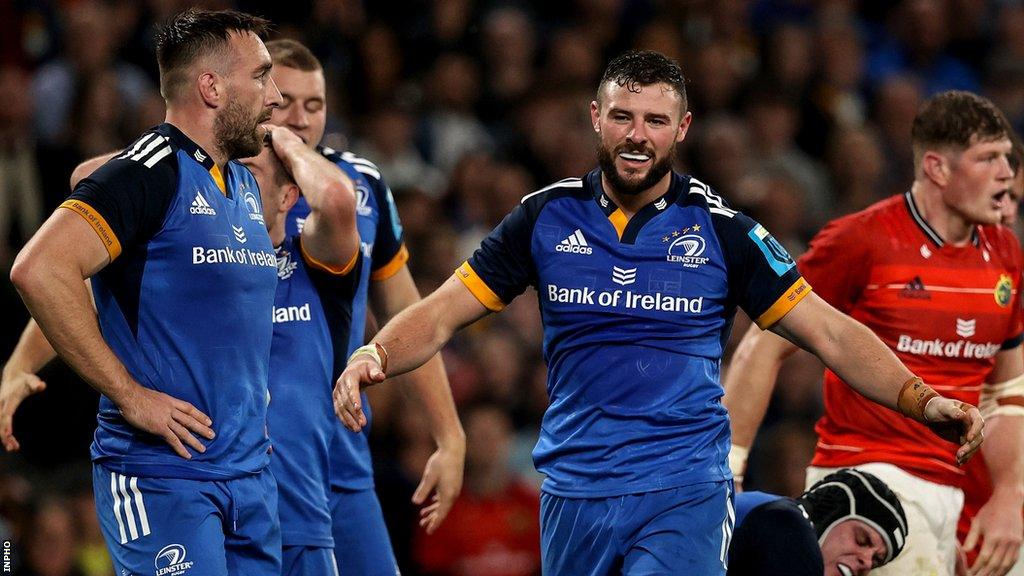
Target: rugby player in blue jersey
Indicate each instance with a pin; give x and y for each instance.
(362, 544)
(639, 272)
(183, 273)
(317, 278)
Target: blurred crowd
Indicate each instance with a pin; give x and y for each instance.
(802, 112)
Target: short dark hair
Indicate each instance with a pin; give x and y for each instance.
(638, 68)
(293, 54)
(194, 33)
(956, 119)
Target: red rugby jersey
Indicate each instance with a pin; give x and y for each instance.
(946, 311)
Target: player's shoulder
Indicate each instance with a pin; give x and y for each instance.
(1001, 240)
(151, 160)
(567, 187)
(346, 158)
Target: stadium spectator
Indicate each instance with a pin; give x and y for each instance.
(959, 330)
(625, 470)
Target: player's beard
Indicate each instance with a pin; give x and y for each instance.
(237, 133)
(657, 171)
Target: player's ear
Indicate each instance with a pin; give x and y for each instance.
(684, 126)
(936, 168)
(290, 197)
(595, 116)
(210, 88)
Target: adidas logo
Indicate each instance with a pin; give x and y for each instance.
(201, 206)
(915, 289)
(574, 244)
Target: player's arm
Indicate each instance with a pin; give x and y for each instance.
(749, 383)
(329, 236)
(19, 378)
(429, 386)
(407, 342)
(999, 520)
(857, 356)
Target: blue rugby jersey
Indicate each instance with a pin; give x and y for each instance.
(185, 302)
(312, 319)
(636, 315)
(383, 254)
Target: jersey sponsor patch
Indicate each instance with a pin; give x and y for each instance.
(777, 256)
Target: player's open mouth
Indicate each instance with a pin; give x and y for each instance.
(634, 158)
(844, 570)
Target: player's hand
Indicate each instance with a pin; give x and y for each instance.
(957, 422)
(169, 418)
(281, 139)
(361, 372)
(14, 388)
(1000, 525)
(442, 482)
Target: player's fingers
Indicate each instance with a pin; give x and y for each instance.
(975, 423)
(964, 453)
(34, 384)
(427, 485)
(972, 536)
(186, 437)
(175, 443)
(194, 412)
(190, 422)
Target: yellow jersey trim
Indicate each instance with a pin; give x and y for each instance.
(478, 287)
(391, 268)
(619, 220)
(327, 267)
(218, 177)
(99, 225)
(796, 292)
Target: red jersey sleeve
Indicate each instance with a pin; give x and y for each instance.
(838, 262)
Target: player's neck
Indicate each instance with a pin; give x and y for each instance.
(199, 130)
(953, 228)
(632, 203)
(277, 229)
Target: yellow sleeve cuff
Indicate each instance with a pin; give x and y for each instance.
(480, 290)
(327, 267)
(99, 225)
(794, 294)
(391, 268)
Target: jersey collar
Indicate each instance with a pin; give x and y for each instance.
(629, 229)
(930, 232)
(195, 152)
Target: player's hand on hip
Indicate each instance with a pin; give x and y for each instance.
(1000, 524)
(169, 418)
(362, 371)
(957, 422)
(441, 483)
(14, 388)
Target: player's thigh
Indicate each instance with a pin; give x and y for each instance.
(681, 531)
(166, 526)
(308, 561)
(362, 546)
(578, 536)
(253, 536)
(932, 511)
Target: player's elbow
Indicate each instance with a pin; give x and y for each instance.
(339, 201)
(27, 272)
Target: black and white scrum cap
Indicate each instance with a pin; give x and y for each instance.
(856, 495)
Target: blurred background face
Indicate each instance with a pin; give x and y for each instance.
(303, 108)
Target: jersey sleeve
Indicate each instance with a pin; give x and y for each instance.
(775, 540)
(838, 263)
(125, 201)
(502, 267)
(389, 251)
(763, 279)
